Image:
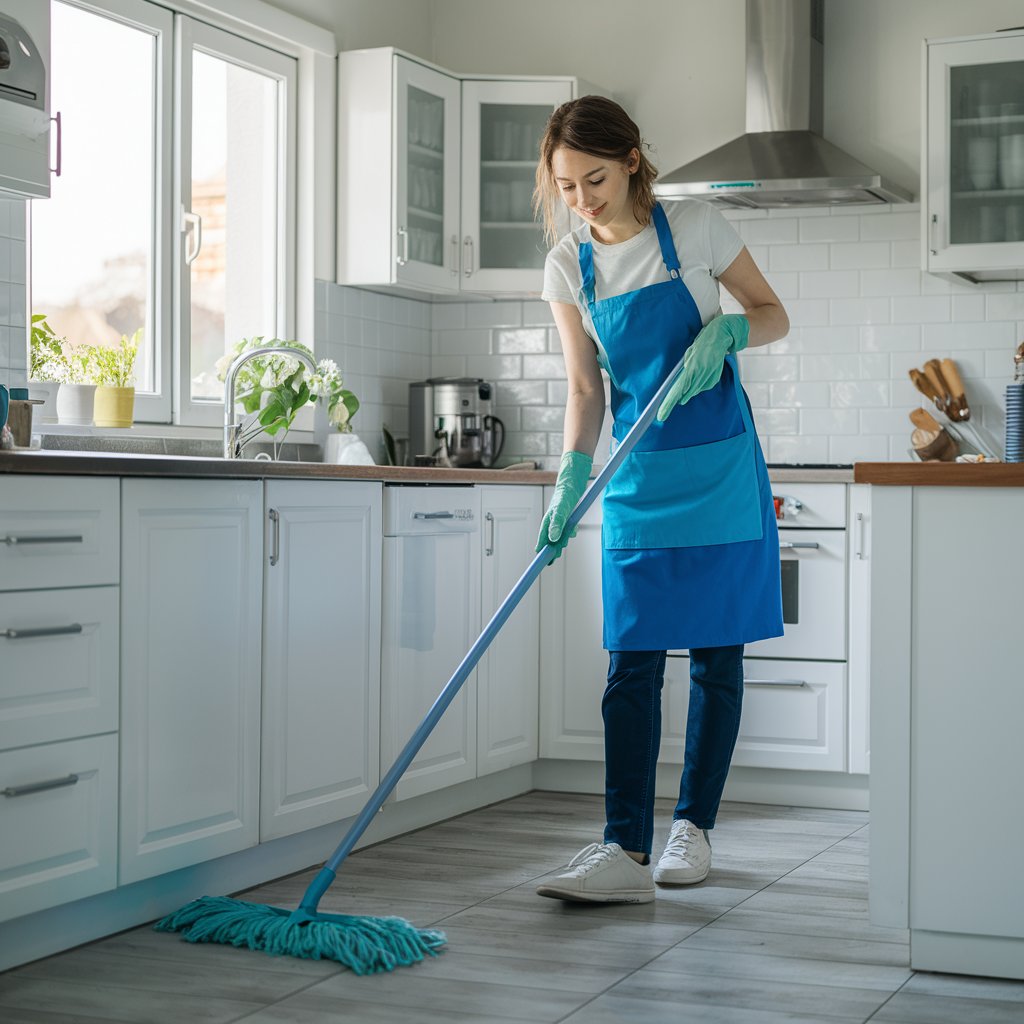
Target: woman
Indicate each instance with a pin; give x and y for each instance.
(690, 547)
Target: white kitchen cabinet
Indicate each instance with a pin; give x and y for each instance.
(431, 617)
(321, 652)
(508, 672)
(435, 175)
(574, 666)
(58, 820)
(502, 124)
(190, 671)
(972, 170)
(25, 98)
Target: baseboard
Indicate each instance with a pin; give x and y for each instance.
(989, 956)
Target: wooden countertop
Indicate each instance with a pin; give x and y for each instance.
(107, 464)
(940, 474)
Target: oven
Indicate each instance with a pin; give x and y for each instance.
(812, 552)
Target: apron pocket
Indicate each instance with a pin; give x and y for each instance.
(685, 497)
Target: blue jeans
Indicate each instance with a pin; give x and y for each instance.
(631, 707)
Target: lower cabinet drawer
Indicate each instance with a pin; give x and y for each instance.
(794, 715)
(59, 653)
(58, 823)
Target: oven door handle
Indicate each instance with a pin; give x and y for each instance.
(799, 544)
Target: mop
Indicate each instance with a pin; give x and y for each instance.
(369, 945)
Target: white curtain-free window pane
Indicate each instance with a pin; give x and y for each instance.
(92, 240)
(236, 154)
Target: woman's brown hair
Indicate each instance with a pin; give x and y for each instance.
(597, 126)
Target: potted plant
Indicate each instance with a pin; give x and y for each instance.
(77, 390)
(114, 373)
(46, 366)
(343, 446)
(275, 388)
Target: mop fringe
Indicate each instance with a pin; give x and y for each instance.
(366, 945)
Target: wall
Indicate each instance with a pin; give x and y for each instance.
(12, 292)
(835, 390)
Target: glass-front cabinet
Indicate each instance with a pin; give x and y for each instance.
(973, 163)
(436, 175)
(502, 124)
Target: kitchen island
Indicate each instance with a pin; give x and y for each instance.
(945, 667)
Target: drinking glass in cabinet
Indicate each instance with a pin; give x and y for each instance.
(426, 120)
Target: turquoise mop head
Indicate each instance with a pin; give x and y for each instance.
(366, 945)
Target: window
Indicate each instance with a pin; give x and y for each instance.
(174, 210)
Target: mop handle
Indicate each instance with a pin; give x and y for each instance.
(323, 880)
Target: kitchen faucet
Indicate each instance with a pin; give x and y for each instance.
(232, 449)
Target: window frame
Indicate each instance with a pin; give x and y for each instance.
(191, 34)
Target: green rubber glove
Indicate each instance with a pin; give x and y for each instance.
(702, 368)
(573, 474)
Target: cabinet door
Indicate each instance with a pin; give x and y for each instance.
(321, 653)
(860, 628)
(574, 666)
(431, 619)
(427, 176)
(190, 672)
(973, 169)
(502, 123)
(25, 121)
(508, 674)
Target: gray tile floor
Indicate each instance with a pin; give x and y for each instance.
(778, 932)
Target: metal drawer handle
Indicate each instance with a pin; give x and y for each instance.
(799, 544)
(433, 515)
(24, 634)
(774, 682)
(39, 787)
(73, 538)
(489, 550)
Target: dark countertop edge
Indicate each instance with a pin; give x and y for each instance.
(106, 464)
(939, 474)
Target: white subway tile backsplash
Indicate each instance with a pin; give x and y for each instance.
(906, 281)
(521, 340)
(558, 392)
(897, 226)
(890, 337)
(829, 229)
(829, 421)
(859, 255)
(494, 368)
(808, 312)
(794, 395)
(777, 421)
(884, 421)
(537, 314)
(5, 259)
(811, 256)
(771, 368)
(544, 367)
(877, 310)
(523, 392)
(795, 448)
(5, 215)
(937, 338)
(968, 307)
(19, 266)
(1008, 306)
(542, 417)
(829, 284)
(466, 343)
(906, 253)
(770, 231)
(447, 316)
(6, 310)
(494, 314)
(785, 283)
(921, 309)
(861, 448)
(858, 394)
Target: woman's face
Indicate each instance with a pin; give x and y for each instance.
(596, 188)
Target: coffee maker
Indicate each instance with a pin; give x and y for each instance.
(451, 424)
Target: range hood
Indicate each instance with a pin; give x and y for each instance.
(782, 160)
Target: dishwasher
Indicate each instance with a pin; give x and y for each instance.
(431, 617)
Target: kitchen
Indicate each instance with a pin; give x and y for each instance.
(836, 391)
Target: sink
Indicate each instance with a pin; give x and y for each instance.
(196, 447)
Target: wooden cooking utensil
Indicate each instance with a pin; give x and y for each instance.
(933, 445)
(923, 419)
(924, 385)
(959, 409)
(933, 371)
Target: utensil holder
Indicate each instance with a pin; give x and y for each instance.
(19, 417)
(1014, 422)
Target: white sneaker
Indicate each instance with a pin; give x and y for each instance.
(601, 873)
(687, 856)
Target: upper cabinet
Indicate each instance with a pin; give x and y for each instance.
(25, 98)
(436, 173)
(973, 157)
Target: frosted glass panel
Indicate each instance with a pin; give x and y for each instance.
(986, 156)
(425, 184)
(510, 146)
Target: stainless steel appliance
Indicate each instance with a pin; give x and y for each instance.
(451, 423)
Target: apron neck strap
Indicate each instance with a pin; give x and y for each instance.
(668, 253)
(668, 247)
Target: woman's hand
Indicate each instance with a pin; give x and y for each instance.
(573, 474)
(702, 367)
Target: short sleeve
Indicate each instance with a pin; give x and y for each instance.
(724, 242)
(557, 287)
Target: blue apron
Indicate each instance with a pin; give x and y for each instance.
(690, 544)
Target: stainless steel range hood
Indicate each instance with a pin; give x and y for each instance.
(782, 160)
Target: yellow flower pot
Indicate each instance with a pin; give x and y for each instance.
(114, 407)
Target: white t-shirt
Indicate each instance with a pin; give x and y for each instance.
(706, 243)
